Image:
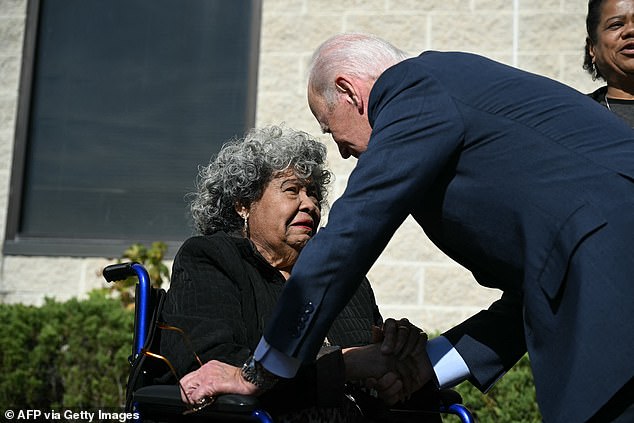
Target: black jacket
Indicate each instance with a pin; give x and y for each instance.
(222, 293)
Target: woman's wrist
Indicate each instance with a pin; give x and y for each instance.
(356, 368)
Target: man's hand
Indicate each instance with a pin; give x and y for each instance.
(408, 344)
(378, 371)
(402, 338)
(212, 379)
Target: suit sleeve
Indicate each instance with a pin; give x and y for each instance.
(491, 341)
(417, 131)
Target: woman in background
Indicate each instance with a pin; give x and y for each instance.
(609, 54)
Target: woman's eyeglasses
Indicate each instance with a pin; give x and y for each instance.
(192, 407)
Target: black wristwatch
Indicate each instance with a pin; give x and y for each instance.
(253, 372)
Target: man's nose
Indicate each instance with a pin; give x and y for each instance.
(343, 150)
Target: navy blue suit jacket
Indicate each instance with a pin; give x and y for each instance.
(527, 183)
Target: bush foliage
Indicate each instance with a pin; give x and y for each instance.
(70, 354)
(512, 398)
(75, 354)
(152, 259)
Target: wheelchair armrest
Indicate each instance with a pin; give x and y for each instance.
(168, 399)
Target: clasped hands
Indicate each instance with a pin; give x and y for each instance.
(395, 365)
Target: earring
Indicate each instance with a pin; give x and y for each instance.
(245, 228)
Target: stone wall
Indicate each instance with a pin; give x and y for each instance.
(412, 278)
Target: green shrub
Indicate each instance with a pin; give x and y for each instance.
(70, 354)
(512, 398)
(152, 260)
(74, 354)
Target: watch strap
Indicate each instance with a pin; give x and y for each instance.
(253, 372)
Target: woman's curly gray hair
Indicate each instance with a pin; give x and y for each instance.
(243, 168)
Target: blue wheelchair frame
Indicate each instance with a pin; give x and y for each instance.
(168, 396)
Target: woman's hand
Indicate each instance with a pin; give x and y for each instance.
(394, 378)
(366, 362)
(212, 379)
(389, 388)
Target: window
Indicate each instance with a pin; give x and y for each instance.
(120, 102)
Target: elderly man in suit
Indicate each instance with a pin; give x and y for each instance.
(522, 180)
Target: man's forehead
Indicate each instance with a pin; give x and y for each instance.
(316, 99)
(319, 111)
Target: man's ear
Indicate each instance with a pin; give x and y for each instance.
(350, 89)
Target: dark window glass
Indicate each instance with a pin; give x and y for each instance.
(127, 99)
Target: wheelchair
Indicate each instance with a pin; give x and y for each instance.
(149, 402)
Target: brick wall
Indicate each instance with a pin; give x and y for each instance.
(412, 278)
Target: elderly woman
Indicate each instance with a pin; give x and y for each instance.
(258, 203)
(609, 54)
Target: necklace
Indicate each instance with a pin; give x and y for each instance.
(618, 101)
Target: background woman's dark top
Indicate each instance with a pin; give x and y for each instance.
(622, 108)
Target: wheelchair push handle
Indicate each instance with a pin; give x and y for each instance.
(121, 271)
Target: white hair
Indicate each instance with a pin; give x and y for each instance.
(243, 167)
(363, 56)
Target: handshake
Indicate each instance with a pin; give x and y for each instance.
(395, 364)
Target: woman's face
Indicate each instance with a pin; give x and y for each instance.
(613, 52)
(283, 220)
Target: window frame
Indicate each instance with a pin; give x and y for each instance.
(16, 243)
